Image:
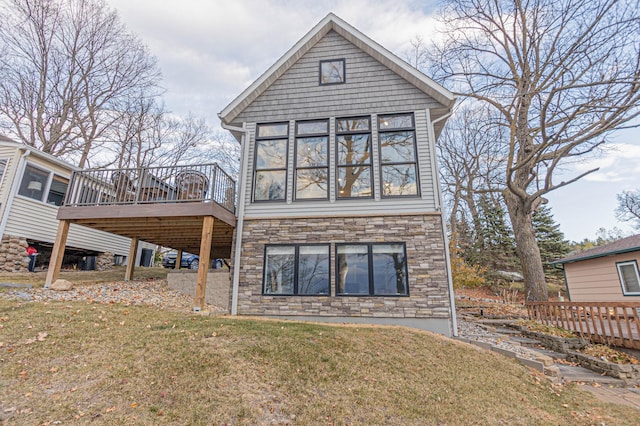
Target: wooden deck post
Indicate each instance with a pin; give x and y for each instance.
(131, 261)
(178, 260)
(205, 258)
(55, 263)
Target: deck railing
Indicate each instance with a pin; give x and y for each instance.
(614, 323)
(151, 185)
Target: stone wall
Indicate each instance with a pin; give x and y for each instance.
(13, 254)
(104, 261)
(217, 293)
(428, 285)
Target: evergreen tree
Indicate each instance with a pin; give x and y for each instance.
(550, 239)
(494, 246)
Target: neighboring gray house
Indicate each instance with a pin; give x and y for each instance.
(339, 211)
(32, 188)
(607, 273)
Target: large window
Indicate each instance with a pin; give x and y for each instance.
(371, 270)
(296, 270)
(270, 183)
(629, 277)
(312, 166)
(43, 185)
(353, 139)
(398, 155)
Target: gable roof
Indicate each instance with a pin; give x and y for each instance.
(624, 245)
(373, 49)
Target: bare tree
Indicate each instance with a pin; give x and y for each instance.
(629, 207)
(223, 149)
(470, 160)
(67, 67)
(145, 134)
(562, 74)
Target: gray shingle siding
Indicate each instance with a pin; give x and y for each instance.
(370, 88)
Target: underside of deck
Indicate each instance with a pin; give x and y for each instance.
(177, 225)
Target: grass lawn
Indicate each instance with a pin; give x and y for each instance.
(83, 277)
(79, 363)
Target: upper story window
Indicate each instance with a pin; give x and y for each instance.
(36, 183)
(312, 165)
(353, 147)
(332, 71)
(629, 277)
(270, 180)
(398, 165)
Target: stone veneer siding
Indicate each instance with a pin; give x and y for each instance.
(13, 254)
(428, 285)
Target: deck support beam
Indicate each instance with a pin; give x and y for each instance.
(205, 259)
(131, 261)
(57, 253)
(178, 264)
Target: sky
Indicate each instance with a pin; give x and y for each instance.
(211, 50)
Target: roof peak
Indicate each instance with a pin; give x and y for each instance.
(332, 22)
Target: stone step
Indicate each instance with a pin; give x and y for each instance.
(525, 341)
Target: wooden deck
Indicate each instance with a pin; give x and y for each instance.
(187, 208)
(613, 323)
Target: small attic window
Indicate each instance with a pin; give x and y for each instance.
(332, 72)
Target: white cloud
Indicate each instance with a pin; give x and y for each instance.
(619, 163)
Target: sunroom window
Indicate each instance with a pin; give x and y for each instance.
(398, 155)
(270, 181)
(35, 184)
(296, 270)
(629, 277)
(353, 139)
(371, 270)
(312, 166)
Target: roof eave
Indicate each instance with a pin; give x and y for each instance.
(594, 256)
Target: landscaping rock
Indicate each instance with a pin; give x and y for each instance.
(61, 285)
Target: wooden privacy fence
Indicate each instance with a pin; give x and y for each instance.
(614, 323)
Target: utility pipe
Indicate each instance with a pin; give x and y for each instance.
(447, 257)
(244, 160)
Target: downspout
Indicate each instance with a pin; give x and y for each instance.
(244, 160)
(14, 189)
(447, 257)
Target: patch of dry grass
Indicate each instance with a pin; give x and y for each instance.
(37, 279)
(81, 363)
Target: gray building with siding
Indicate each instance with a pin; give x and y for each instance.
(339, 212)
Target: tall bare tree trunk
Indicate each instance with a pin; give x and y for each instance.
(527, 248)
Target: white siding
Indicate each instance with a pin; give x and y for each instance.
(10, 155)
(36, 220)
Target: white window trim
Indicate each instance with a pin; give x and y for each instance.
(47, 187)
(620, 276)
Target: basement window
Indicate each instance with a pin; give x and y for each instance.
(296, 270)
